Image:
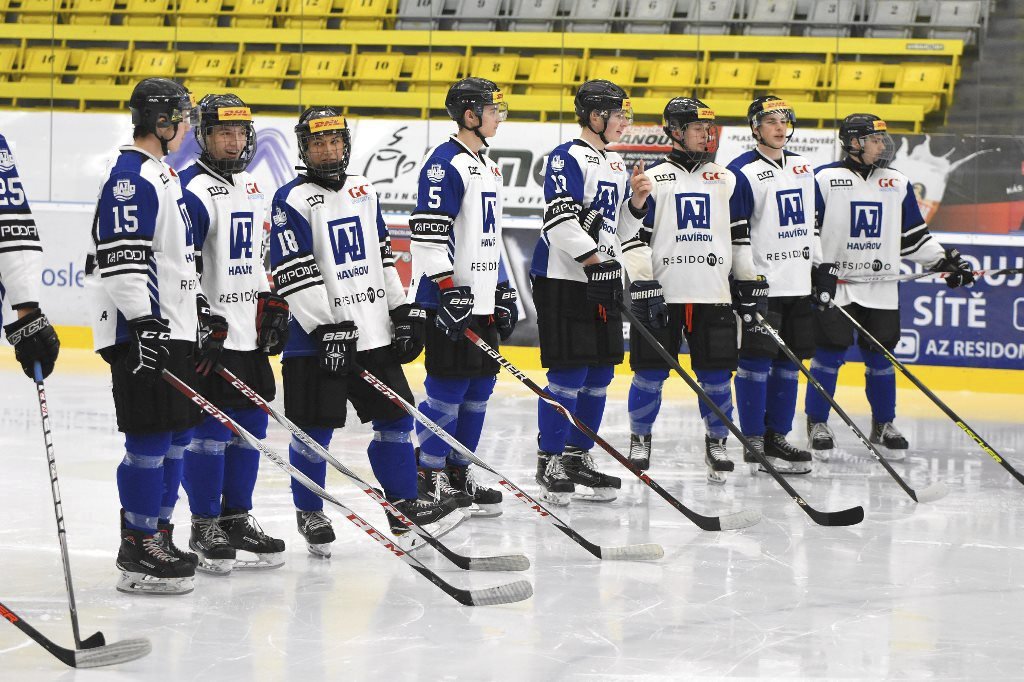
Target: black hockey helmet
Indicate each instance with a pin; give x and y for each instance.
(603, 97)
(859, 127)
(679, 113)
(769, 104)
(160, 103)
(320, 122)
(225, 110)
(473, 94)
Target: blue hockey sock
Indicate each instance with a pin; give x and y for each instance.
(173, 465)
(780, 396)
(444, 395)
(590, 404)
(564, 385)
(241, 462)
(716, 383)
(751, 394)
(471, 417)
(392, 458)
(825, 368)
(645, 399)
(140, 478)
(307, 461)
(880, 386)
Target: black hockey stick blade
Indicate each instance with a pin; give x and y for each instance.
(844, 517)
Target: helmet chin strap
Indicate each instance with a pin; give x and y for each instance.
(476, 130)
(600, 133)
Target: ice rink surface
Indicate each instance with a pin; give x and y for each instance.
(914, 592)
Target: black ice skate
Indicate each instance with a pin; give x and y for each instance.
(317, 531)
(820, 439)
(486, 501)
(885, 434)
(216, 555)
(436, 518)
(784, 456)
(753, 464)
(245, 534)
(434, 484)
(147, 568)
(555, 486)
(167, 530)
(579, 467)
(717, 459)
(640, 451)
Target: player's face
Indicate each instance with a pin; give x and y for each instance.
(226, 142)
(697, 136)
(774, 130)
(324, 149)
(494, 114)
(874, 148)
(618, 121)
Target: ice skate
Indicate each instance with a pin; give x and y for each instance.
(245, 534)
(211, 544)
(167, 530)
(434, 484)
(784, 456)
(316, 529)
(486, 501)
(436, 518)
(640, 451)
(886, 435)
(820, 439)
(555, 486)
(580, 469)
(148, 568)
(716, 457)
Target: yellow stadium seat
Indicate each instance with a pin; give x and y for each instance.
(307, 13)
(99, 66)
(921, 83)
(377, 71)
(435, 71)
(8, 55)
(364, 15)
(253, 13)
(855, 82)
(146, 12)
(91, 12)
(41, 64)
(39, 11)
(672, 77)
(265, 69)
(208, 70)
(500, 68)
(619, 70)
(795, 80)
(198, 12)
(553, 75)
(732, 79)
(323, 69)
(152, 63)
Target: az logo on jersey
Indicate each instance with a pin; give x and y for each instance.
(241, 236)
(791, 207)
(124, 190)
(693, 210)
(490, 204)
(347, 239)
(435, 173)
(6, 160)
(866, 219)
(606, 200)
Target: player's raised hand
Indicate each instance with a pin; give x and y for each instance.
(641, 186)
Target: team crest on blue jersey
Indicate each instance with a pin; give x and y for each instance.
(124, 190)
(693, 210)
(280, 219)
(6, 160)
(791, 207)
(557, 164)
(435, 173)
(866, 219)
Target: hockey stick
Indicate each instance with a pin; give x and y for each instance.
(909, 277)
(845, 517)
(96, 640)
(933, 492)
(982, 443)
(626, 553)
(501, 594)
(514, 562)
(91, 657)
(741, 519)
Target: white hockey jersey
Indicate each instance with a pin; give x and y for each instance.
(228, 217)
(456, 227)
(695, 239)
(330, 254)
(867, 225)
(142, 260)
(775, 197)
(21, 253)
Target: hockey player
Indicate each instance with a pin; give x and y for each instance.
(696, 243)
(577, 288)
(869, 219)
(21, 263)
(774, 188)
(456, 245)
(330, 253)
(141, 275)
(245, 323)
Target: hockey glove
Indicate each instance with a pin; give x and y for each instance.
(337, 346)
(34, 340)
(271, 323)
(750, 297)
(410, 324)
(203, 308)
(148, 350)
(592, 222)
(647, 303)
(824, 279)
(604, 282)
(453, 315)
(213, 332)
(960, 271)
(506, 312)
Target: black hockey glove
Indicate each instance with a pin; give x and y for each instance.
(824, 279)
(337, 346)
(148, 350)
(647, 303)
(271, 323)
(506, 312)
(455, 311)
(961, 272)
(604, 282)
(213, 332)
(592, 222)
(34, 340)
(410, 324)
(750, 297)
(202, 308)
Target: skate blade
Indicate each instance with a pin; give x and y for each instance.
(485, 511)
(262, 562)
(559, 499)
(596, 495)
(215, 566)
(821, 455)
(896, 455)
(140, 583)
(790, 468)
(320, 551)
(716, 477)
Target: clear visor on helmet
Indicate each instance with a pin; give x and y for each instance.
(699, 136)
(625, 113)
(877, 149)
(776, 116)
(186, 110)
(500, 108)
